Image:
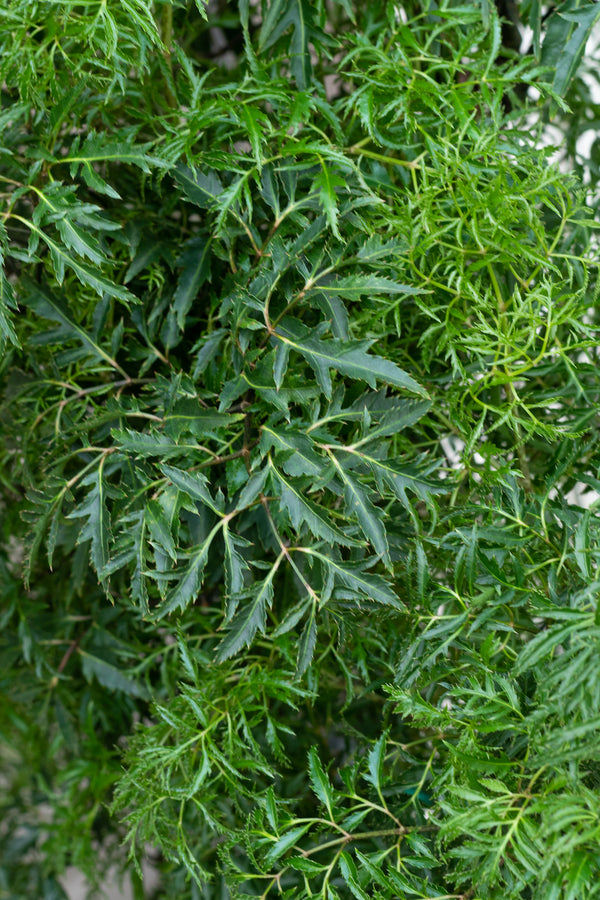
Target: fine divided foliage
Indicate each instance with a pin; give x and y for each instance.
(299, 469)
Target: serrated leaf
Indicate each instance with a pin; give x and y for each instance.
(375, 761)
(404, 414)
(195, 264)
(301, 509)
(334, 310)
(46, 511)
(564, 45)
(261, 380)
(374, 871)
(354, 576)
(188, 415)
(254, 486)
(91, 277)
(583, 547)
(201, 6)
(280, 16)
(347, 358)
(350, 875)
(280, 363)
(401, 477)
(377, 248)
(354, 287)
(99, 148)
(271, 808)
(97, 527)
(52, 307)
(194, 484)
(207, 349)
(160, 527)
(235, 564)
(7, 304)
(78, 240)
(325, 184)
(248, 620)
(285, 843)
(304, 864)
(257, 127)
(298, 450)
(188, 587)
(145, 445)
(109, 676)
(545, 643)
(320, 782)
(358, 502)
(292, 617)
(201, 189)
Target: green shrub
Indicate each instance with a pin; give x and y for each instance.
(300, 371)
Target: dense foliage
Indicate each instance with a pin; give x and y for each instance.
(299, 375)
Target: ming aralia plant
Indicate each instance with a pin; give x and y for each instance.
(299, 454)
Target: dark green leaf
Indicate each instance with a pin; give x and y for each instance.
(347, 358)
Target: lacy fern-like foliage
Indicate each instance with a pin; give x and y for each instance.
(299, 371)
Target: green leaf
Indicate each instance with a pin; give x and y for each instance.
(403, 414)
(401, 477)
(248, 620)
(376, 760)
(145, 445)
(78, 240)
(189, 585)
(350, 874)
(54, 308)
(320, 782)
(97, 527)
(296, 450)
(195, 263)
(285, 843)
(333, 309)
(109, 676)
(358, 501)
(354, 576)
(325, 184)
(301, 509)
(160, 527)
(188, 415)
(564, 45)
(583, 546)
(102, 148)
(201, 189)
(235, 564)
(7, 304)
(257, 126)
(307, 642)
(91, 277)
(280, 16)
(194, 484)
(304, 864)
(354, 287)
(254, 486)
(347, 358)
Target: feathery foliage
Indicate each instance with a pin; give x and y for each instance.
(299, 460)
